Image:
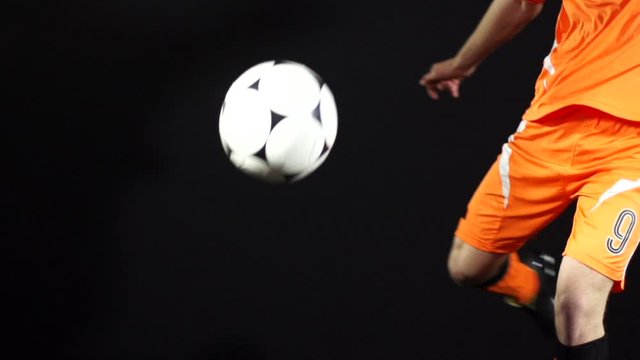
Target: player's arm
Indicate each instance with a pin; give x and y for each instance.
(501, 22)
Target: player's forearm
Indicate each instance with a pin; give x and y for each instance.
(501, 22)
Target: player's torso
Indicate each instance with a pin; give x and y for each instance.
(595, 59)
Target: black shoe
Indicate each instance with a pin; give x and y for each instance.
(542, 309)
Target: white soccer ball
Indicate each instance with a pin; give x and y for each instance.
(278, 121)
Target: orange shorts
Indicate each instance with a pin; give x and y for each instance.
(576, 154)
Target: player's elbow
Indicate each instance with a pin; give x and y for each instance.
(529, 9)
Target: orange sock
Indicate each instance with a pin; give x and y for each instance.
(519, 282)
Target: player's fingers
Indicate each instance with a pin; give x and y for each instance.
(433, 93)
(454, 88)
(425, 79)
(428, 84)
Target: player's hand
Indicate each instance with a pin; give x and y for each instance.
(444, 76)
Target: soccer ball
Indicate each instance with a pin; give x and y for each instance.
(278, 121)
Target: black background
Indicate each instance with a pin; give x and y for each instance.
(129, 234)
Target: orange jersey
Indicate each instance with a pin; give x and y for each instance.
(594, 60)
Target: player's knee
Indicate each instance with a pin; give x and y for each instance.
(461, 274)
(578, 319)
(463, 268)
